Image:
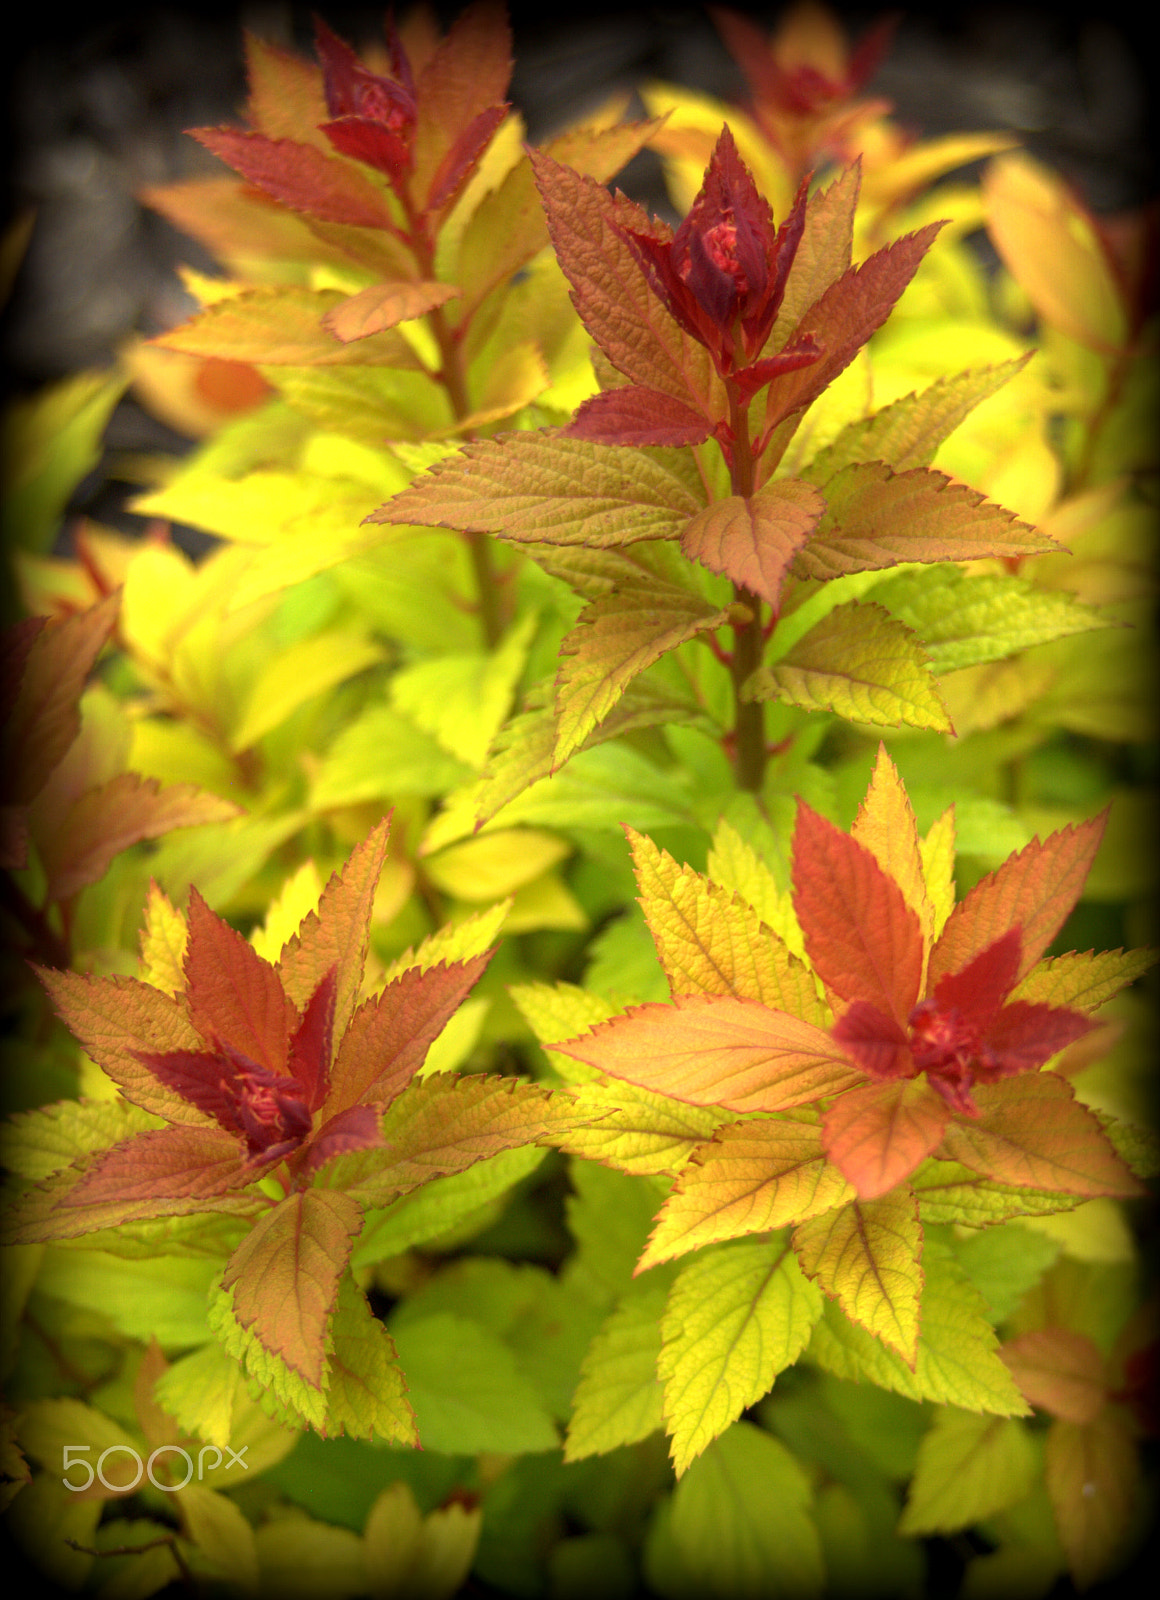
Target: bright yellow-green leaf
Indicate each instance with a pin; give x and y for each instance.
(561, 1011)
(199, 1390)
(297, 674)
(366, 1390)
(445, 1209)
(619, 1396)
(735, 1318)
(462, 700)
(634, 1130)
(459, 941)
(382, 754)
(282, 325)
(546, 902)
(297, 898)
(36, 1143)
(956, 1363)
(734, 864)
(969, 1467)
(866, 1256)
(711, 942)
(494, 864)
(751, 1177)
(1085, 981)
(862, 663)
(163, 944)
(937, 850)
(285, 1395)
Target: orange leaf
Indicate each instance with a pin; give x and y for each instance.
(877, 1134)
(1033, 891)
(718, 1050)
(1093, 1474)
(753, 541)
(163, 1164)
(1060, 1371)
(233, 995)
(467, 75)
(287, 1271)
(382, 305)
(866, 1257)
(1032, 1132)
(299, 176)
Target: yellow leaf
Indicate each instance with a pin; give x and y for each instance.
(495, 864)
(297, 674)
(163, 944)
(298, 897)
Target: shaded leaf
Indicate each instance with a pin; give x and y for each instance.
(366, 1391)
(969, 1468)
(1058, 1371)
(632, 414)
(619, 1397)
(1093, 1474)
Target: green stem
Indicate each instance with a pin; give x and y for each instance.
(749, 751)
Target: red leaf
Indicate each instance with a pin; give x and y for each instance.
(876, 1042)
(718, 1050)
(1059, 1371)
(1030, 1131)
(367, 140)
(979, 990)
(233, 995)
(844, 318)
(636, 415)
(1024, 1036)
(287, 1271)
(390, 1035)
(461, 160)
(878, 1134)
(356, 1128)
(753, 541)
(467, 75)
(299, 176)
(863, 939)
(1033, 891)
(312, 1044)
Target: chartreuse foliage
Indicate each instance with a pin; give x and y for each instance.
(711, 1120)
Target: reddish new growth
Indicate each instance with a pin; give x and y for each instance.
(963, 1033)
(374, 116)
(723, 273)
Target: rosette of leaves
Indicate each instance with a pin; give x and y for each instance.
(265, 1106)
(716, 341)
(877, 1066)
(395, 210)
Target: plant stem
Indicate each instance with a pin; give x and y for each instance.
(749, 752)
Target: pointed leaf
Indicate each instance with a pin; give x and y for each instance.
(885, 824)
(969, 1468)
(1033, 891)
(282, 1393)
(710, 942)
(634, 1130)
(619, 1397)
(862, 663)
(233, 995)
(735, 1318)
(751, 1177)
(466, 74)
(114, 1018)
(1084, 982)
(390, 1035)
(862, 938)
(876, 517)
(909, 432)
(950, 1192)
(286, 96)
(823, 252)
(877, 1135)
(44, 718)
(283, 325)
(754, 541)
(614, 640)
(383, 305)
(1031, 1131)
(108, 819)
(287, 1271)
(544, 488)
(366, 1392)
(163, 941)
(1059, 1371)
(866, 1256)
(336, 934)
(718, 1050)
(639, 416)
(611, 293)
(300, 176)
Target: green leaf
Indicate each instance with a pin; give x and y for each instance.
(280, 1390)
(380, 754)
(461, 700)
(618, 1399)
(711, 942)
(969, 1468)
(948, 1192)
(1086, 981)
(735, 1318)
(537, 487)
(609, 1216)
(298, 673)
(559, 1011)
(876, 517)
(956, 1361)
(908, 433)
(199, 1390)
(37, 1143)
(466, 1390)
(615, 639)
(966, 619)
(738, 1515)
(751, 1177)
(366, 1391)
(1004, 1262)
(866, 1255)
(286, 1272)
(442, 1204)
(164, 1297)
(634, 1130)
(862, 663)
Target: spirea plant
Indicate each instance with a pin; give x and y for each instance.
(581, 980)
